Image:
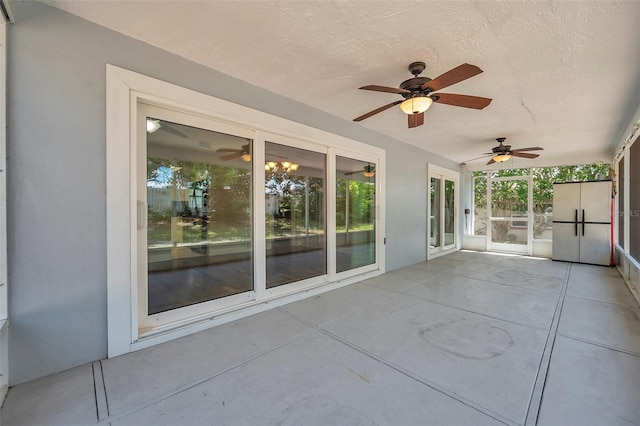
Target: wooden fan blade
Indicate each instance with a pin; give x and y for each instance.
(384, 89)
(466, 101)
(353, 173)
(228, 150)
(416, 120)
(491, 161)
(375, 111)
(524, 155)
(533, 148)
(453, 76)
(231, 156)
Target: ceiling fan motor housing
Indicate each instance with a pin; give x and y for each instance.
(501, 148)
(414, 85)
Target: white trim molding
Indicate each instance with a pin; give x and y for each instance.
(450, 175)
(126, 91)
(4, 308)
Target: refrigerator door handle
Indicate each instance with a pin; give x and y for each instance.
(583, 222)
(575, 223)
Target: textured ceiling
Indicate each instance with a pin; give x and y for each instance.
(562, 75)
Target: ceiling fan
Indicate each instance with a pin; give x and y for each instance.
(367, 171)
(243, 153)
(418, 93)
(153, 125)
(502, 153)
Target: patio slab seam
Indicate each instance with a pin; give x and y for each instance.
(133, 409)
(537, 392)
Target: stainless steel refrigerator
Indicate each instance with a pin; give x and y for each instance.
(582, 222)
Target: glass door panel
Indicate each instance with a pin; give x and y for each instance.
(434, 214)
(509, 214)
(509, 232)
(295, 214)
(449, 213)
(199, 233)
(355, 214)
(479, 218)
(509, 198)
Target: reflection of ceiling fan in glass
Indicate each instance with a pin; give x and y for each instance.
(153, 125)
(367, 171)
(244, 153)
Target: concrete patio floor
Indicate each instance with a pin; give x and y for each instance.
(468, 338)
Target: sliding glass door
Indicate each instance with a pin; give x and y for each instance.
(355, 213)
(217, 211)
(232, 216)
(296, 245)
(442, 215)
(435, 218)
(195, 232)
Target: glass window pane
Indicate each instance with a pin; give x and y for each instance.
(508, 232)
(199, 234)
(634, 200)
(509, 198)
(355, 214)
(295, 218)
(434, 215)
(449, 212)
(543, 179)
(621, 202)
(543, 220)
(480, 205)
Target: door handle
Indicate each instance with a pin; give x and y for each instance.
(575, 223)
(583, 222)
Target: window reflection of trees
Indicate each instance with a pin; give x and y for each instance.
(355, 213)
(212, 202)
(449, 212)
(294, 214)
(286, 205)
(361, 200)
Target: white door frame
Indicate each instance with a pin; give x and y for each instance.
(379, 212)
(438, 172)
(125, 90)
(503, 247)
(4, 303)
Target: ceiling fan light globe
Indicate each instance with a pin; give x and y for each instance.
(501, 158)
(246, 157)
(416, 105)
(369, 174)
